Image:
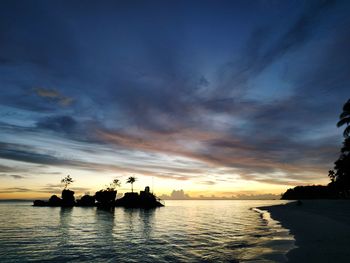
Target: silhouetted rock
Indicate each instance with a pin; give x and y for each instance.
(40, 203)
(68, 198)
(143, 200)
(55, 201)
(129, 200)
(86, 200)
(105, 197)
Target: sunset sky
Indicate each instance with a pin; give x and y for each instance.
(213, 97)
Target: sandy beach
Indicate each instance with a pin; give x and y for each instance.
(321, 229)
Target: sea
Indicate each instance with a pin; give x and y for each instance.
(182, 231)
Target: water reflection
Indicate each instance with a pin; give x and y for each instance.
(147, 218)
(105, 220)
(140, 221)
(65, 216)
(65, 221)
(105, 224)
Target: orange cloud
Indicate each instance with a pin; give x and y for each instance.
(250, 162)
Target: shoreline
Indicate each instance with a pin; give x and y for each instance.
(321, 229)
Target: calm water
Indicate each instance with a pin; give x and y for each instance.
(183, 231)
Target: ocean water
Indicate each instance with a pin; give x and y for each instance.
(182, 231)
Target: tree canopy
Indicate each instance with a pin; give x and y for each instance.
(67, 181)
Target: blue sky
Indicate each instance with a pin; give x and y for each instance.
(213, 97)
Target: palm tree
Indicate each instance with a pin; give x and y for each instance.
(131, 180)
(112, 186)
(116, 183)
(67, 181)
(332, 175)
(345, 119)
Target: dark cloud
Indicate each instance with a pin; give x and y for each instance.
(25, 154)
(296, 35)
(21, 153)
(5, 169)
(16, 176)
(65, 124)
(265, 46)
(207, 182)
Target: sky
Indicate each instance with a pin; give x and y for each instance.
(215, 98)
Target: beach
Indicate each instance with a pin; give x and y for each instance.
(321, 229)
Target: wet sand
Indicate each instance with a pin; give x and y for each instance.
(321, 229)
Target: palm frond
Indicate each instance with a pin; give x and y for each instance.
(343, 121)
(346, 106)
(344, 114)
(346, 132)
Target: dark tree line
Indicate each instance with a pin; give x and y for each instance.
(340, 175)
(339, 187)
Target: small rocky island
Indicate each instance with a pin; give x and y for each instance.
(105, 198)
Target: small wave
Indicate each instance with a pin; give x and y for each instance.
(265, 216)
(281, 236)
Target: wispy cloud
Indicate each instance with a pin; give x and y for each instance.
(54, 95)
(16, 176)
(14, 190)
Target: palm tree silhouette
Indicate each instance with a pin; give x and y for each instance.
(112, 186)
(67, 181)
(345, 119)
(131, 180)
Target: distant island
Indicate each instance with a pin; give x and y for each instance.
(339, 187)
(105, 198)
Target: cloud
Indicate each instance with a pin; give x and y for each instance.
(208, 182)
(16, 176)
(259, 159)
(6, 169)
(47, 93)
(65, 124)
(23, 153)
(297, 34)
(176, 195)
(263, 48)
(14, 190)
(54, 95)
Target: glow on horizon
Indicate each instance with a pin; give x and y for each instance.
(90, 182)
